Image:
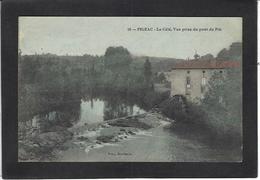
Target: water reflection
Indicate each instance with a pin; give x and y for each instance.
(51, 119)
(48, 124)
(91, 111)
(98, 110)
(87, 111)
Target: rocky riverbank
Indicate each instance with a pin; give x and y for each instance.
(47, 146)
(42, 146)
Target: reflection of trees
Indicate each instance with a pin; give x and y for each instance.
(115, 109)
(46, 110)
(62, 116)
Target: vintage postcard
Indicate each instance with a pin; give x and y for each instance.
(130, 89)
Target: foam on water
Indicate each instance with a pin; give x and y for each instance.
(164, 123)
(92, 133)
(144, 133)
(96, 146)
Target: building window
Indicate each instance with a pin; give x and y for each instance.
(188, 86)
(203, 83)
(203, 73)
(188, 82)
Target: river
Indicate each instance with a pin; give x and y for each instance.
(144, 138)
(97, 110)
(155, 145)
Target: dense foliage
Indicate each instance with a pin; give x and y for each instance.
(223, 104)
(49, 80)
(219, 115)
(233, 53)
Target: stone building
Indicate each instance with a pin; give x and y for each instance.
(190, 77)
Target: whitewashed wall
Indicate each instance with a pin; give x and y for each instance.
(177, 77)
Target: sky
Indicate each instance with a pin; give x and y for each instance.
(92, 35)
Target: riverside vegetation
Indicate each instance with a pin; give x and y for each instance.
(48, 82)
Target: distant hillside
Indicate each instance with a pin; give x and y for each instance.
(158, 63)
(234, 52)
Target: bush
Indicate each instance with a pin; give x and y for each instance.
(192, 121)
(153, 99)
(223, 104)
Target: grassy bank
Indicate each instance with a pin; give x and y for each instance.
(194, 121)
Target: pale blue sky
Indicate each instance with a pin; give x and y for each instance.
(92, 35)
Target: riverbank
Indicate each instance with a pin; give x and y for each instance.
(192, 121)
(147, 137)
(158, 143)
(112, 132)
(46, 146)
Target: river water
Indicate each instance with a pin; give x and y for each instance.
(155, 145)
(87, 111)
(152, 145)
(94, 111)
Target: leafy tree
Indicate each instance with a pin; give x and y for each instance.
(233, 53)
(29, 66)
(223, 103)
(117, 57)
(223, 99)
(161, 78)
(196, 56)
(207, 57)
(147, 72)
(223, 54)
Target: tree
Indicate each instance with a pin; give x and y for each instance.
(117, 58)
(223, 102)
(223, 54)
(147, 72)
(196, 56)
(233, 53)
(161, 77)
(207, 57)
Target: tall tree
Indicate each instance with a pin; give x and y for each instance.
(147, 72)
(223, 102)
(161, 78)
(207, 57)
(223, 54)
(233, 53)
(117, 57)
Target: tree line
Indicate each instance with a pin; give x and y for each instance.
(51, 78)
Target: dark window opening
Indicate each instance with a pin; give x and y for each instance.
(188, 86)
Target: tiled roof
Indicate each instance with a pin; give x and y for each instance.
(207, 64)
